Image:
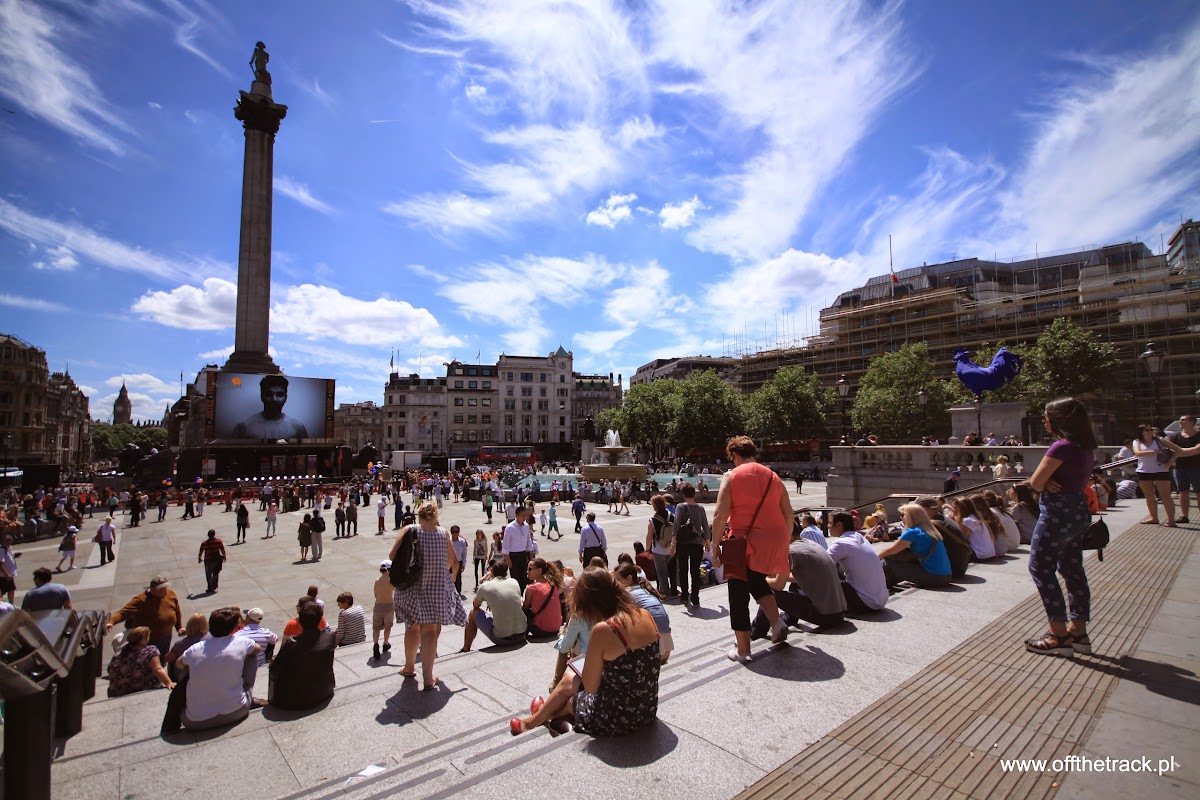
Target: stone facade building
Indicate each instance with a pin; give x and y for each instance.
(535, 396)
(472, 399)
(44, 418)
(593, 394)
(414, 414)
(357, 424)
(679, 368)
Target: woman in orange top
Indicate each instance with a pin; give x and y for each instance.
(753, 502)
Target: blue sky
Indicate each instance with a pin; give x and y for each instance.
(628, 179)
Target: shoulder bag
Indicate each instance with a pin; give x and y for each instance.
(406, 566)
(733, 546)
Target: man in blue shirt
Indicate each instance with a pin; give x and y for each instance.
(45, 596)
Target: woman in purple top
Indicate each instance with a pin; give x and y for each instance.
(1058, 535)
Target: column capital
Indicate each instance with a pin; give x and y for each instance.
(259, 113)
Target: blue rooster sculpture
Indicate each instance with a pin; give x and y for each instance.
(1004, 368)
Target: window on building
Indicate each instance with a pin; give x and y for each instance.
(526, 420)
(472, 401)
(472, 371)
(389, 431)
(458, 385)
(562, 392)
(435, 415)
(542, 391)
(485, 436)
(509, 378)
(400, 431)
(472, 436)
(509, 420)
(543, 377)
(562, 436)
(526, 405)
(508, 435)
(543, 420)
(458, 370)
(562, 420)
(487, 401)
(562, 378)
(487, 384)
(510, 404)
(458, 418)
(472, 384)
(486, 419)
(509, 392)
(543, 405)
(458, 436)
(401, 414)
(562, 405)
(487, 371)
(527, 377)
(458, 401)
(526, 391)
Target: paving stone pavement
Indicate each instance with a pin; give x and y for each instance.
(721, 726)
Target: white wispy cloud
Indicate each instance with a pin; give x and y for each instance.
(38, 74)
(613, 210)
(220, 352)
(1133, 119)
(302, 194)
(674, 216)
(637, 300)
(86, 244)
(57, 258)
(547, 164)
(145, 382)
(808, 106)
(314, 88)
(29, 303)
(153, 105)
(305, 311)
(192, 23)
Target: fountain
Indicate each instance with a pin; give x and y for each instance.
(616, 466)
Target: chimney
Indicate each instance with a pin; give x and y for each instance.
(618, 379)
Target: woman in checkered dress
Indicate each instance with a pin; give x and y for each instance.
(432, 602)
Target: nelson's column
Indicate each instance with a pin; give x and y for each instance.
(260, 116)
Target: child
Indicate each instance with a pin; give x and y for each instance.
(543, 520)
(67, 548)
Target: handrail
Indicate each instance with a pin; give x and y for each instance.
(18, 628)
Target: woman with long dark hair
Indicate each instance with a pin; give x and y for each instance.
(1058, 536)
(1024, 509)
(616, 692)
(1156, 455)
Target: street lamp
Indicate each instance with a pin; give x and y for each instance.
(843, 388)
(922, 399)
(979, 417)
(1154, 361)
(8, 442)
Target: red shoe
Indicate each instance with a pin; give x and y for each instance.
(514, 726)
(536, 705)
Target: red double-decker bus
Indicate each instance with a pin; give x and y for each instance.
(507, 454)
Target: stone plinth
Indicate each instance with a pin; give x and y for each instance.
(863, 474)
(1002, 419)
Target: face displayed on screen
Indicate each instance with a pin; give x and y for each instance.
(283, 407)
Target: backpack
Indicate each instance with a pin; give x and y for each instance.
(664, 529)
(687, 531)
(318, 524)
(406, 566)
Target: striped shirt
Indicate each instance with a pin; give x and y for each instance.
(352, 626)
(261, 637)
(212, 550)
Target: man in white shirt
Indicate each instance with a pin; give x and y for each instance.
(215, 692)
(460, 549)
(863, 581)
(381, 513)
(518, 536)
(592, 541)
(263, 637)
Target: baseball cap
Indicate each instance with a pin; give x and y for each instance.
(955, 472)
(255, 615)
(385, 564)
(72, 529)
(157, 581)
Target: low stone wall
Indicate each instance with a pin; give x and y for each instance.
(862, 474)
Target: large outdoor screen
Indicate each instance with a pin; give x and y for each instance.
(270, 407)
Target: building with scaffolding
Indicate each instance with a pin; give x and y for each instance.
(1123, 293)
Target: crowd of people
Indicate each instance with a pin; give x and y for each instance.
(610, 624)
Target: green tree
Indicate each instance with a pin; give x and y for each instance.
(148, 438)
(648, 411)
(707, 411)
(109, 440)
(1067, 361)
(105, 441)
(791, 406)
(887, 403)
(611, 419)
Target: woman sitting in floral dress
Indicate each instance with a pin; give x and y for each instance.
(136, 667)
(616, 692)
